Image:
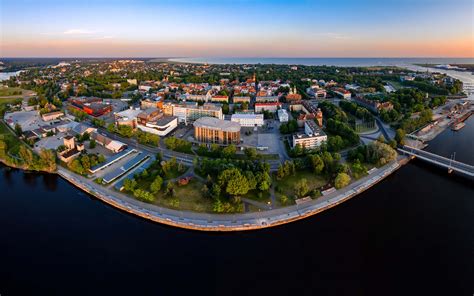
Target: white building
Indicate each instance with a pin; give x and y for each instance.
(312, 138)
(248, 119)
(161, 127)
(282, 115)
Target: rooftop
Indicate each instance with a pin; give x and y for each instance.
(217, 124)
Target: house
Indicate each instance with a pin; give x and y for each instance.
(52, 115)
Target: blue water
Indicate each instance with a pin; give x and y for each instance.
(360, 62)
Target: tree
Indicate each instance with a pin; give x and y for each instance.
(229, 151)
(86, 162)
(18, 129)
(170, 189)
(317, 163)
(342, 180)
(129, 185)
(48, 159)
(143, 195)
(111, 127)
(301, 188)
(400, 136)
(264, 181)
(92, 144)
(233, 182)
(155, 186)
(251, 153)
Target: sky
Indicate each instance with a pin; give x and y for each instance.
(237, 28)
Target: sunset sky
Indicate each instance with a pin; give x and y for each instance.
(239, 28)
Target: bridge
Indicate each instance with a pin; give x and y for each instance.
(449, 163)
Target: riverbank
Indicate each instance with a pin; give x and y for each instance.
(231, 222)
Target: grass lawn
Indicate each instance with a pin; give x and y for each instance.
(11, 91)
(286, 186)
(189, 196)
(253, 195)
(12, 141)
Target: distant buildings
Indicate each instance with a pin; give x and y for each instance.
(263, 99)
(342, 93)
(312, 138)
(220, 99)
(213, 130)
(189, 112)
(239, 100)
(373, 105)
(293, 95)
(271, 107)
(248, 119)
(92, 106)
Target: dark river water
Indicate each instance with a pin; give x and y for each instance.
(412, 234)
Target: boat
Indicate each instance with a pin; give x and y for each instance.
(458, 126)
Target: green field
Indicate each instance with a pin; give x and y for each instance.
(286, 185)
(12, 141)
(189, 197)
(11, 91)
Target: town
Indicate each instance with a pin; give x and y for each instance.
(220, 138)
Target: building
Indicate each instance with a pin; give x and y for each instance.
(312, 138)
(52, 115)
(293, 95)
(191, 111)
(152, 103)
(112, 145)
(127, 117)
(220, 99)
(342, 93)
(263, 99)
(149, 115)
(71, 150)
(240, 100)
(213, 130)
(92, 106)
(271, 107)
(160, 127)
(248, 119)
(373, 105)
(283, 115)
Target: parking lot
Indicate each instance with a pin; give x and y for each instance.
(29, 120)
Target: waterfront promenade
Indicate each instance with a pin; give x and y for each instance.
(229, 222)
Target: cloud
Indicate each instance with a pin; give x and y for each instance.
(79, 32)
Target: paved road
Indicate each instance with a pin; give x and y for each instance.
(226, 222)
(167, 153)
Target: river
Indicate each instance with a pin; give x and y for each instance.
(413, 232)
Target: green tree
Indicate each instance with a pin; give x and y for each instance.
(111, 127)
(92, 144)
(400, 136)
(18, 129)
(229, 151)
(155, 186)
(316, 163)
(251, 153)
(301, 188)
(342, 180)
